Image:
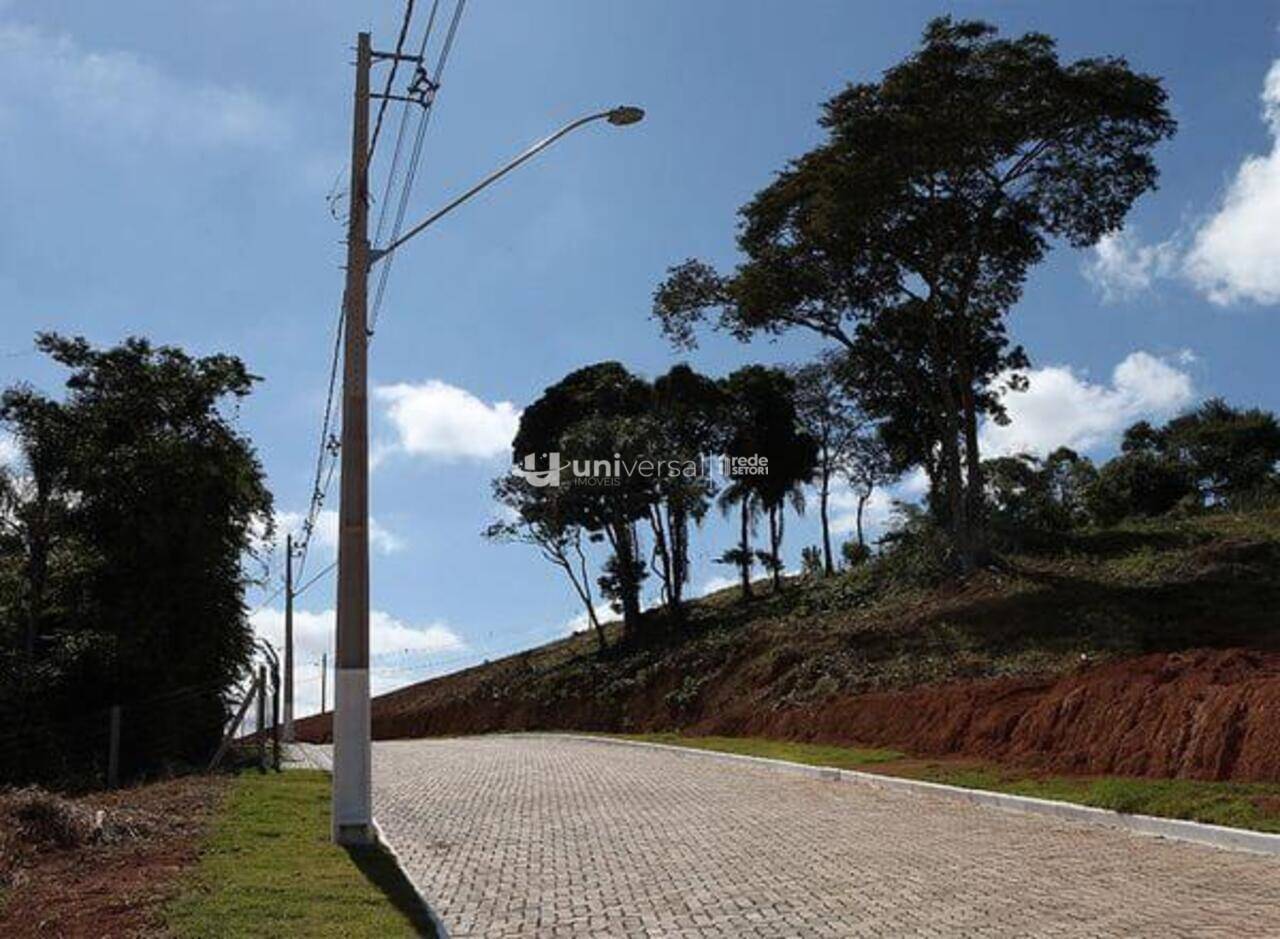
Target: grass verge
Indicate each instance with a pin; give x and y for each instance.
(1253, 806)
(810, 753)
(269, 869)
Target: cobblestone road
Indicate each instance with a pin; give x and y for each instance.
(510, 836)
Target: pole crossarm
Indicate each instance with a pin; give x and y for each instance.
(619, 116)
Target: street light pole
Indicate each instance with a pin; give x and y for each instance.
(352, 750)
(620, 117)
(352, 758)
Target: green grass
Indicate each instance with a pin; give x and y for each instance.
(1238, 805)
(810, 753)
(269, 869)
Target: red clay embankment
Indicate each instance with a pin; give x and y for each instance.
(1202, 714)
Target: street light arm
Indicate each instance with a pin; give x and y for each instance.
(621, 115)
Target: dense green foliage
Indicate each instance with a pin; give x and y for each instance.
(906, 236)
(1215, 456)
(125, 528)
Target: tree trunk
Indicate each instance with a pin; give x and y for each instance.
(775, 546)
(628, 585)
(678, 528)
(824, 493)
(745, 546)
(662, 551)
(975, 497)
(862, 503)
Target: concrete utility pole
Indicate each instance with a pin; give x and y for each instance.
(352, 769)
(352, 750)
(288, 638)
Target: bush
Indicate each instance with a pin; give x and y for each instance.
(855, 553)
(917, 553)
(1139, 483)
(811, 561)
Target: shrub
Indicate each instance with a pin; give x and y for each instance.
(855, 553)
(917, 553)
(1138, 483)
(811, 561)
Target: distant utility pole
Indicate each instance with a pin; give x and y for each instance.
(352, 751)
(324, 680)
(288, 638)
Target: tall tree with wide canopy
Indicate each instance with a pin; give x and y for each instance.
(596, 413)
(908, 234)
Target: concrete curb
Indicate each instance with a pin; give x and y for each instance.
(1217, 836)
(321, 760)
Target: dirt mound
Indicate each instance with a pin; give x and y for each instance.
(1204, 714)
(1200, 714)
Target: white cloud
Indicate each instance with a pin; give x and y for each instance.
(381, 539)
(436, 419)
(117, 95)
(716, 583)
(10, 455)
(313, 636)
(1236, 254)
(877, 514)
(604, 613)
(1060, 408)
(1122, 267)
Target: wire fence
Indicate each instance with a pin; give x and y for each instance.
(173, 732)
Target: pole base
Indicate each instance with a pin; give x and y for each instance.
(355, 836)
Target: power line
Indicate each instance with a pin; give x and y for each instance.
(416, 156)
(303, 589)
(328, 446)
(391, 77)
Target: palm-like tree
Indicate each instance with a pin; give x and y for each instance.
(741, 495)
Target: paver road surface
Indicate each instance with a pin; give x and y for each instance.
(541, 836)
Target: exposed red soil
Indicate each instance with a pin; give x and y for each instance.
(112, 890)
(1205, 714)
(1201, 714)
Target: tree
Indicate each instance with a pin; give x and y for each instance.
(761, 422)
(598, 413)
(688, 424)
(138, 506)
(1138, 483)
(1029, 497)
(827, 414)
(1231, 452)
(868, 464)
(35, 505)
(907, 235)
(740, 494)
(538, 517)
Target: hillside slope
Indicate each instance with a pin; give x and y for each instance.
(1150, 649)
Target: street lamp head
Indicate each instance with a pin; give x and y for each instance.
(624, 115)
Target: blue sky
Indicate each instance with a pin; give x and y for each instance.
(166, 169)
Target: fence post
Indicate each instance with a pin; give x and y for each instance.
(262, 718)
(113, 749)
(275, 718)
